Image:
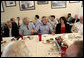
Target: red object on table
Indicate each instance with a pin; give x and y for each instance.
(62, 29)
(1, 52)
(40, 37)
(59, 40)
(63, 50)
(21, 37)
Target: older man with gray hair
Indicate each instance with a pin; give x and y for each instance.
(27, 28)
(44, 27)
(78, 27)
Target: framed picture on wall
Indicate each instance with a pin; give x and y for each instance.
(2, 9)
(58, 4)
(10, 3)
(74, 1)
(42, 2)
(27, 5)
(82, 4)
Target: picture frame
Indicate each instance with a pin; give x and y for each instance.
(74, 1)
(10, 3)
(2, 8)
(42, 2)
(82, 4)
(27, 5)
(58, 4)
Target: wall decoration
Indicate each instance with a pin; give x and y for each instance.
(2, 9)
(82, 4)
(42, 2)
(27, 5)
(10, 3)
(74, 1)
(58, 4)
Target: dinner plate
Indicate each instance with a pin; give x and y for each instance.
(7, 38)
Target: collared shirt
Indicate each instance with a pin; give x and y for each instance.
(75, 20)
(69, 19)
(43, 29)
(78, 27)
(49, 24)
(54, 22)
(26, 29)
(38, 21)
(10, 29)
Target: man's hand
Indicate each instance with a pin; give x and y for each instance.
(53, 33)
(32, 31)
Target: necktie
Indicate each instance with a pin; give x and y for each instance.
(27, 28)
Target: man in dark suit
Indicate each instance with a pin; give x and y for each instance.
(10, 31)
(14, 24)
(75, 19)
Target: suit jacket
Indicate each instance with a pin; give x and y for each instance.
(14, 32)
(67, 28)
(73, 21)
(14, 25)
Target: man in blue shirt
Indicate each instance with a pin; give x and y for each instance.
(38, 21)
(27, 28)
(44, 27)
(53, 22)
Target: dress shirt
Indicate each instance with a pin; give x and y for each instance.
(10, 29)
(38, 21)
(26, 29)
(43, 29)
(78, 28)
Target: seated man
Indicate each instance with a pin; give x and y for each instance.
(14, 24)
(38, 21)
(53, 22)
(69, 18)
(44, 28)
(10, 31)
(78, 27)
(27, 28)
(75, 50)
(75, 19)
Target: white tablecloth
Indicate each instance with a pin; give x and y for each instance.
(39, 49)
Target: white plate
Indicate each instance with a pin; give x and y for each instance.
(7, 38)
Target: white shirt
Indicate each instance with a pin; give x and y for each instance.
(10, 35)
(75, 20)
(78, 27)
(38, 21)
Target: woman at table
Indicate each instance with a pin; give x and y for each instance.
(63, 27)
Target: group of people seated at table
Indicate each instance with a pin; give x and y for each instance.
(44, 26)
(48, 26)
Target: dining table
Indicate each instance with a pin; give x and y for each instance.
(42, 48)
